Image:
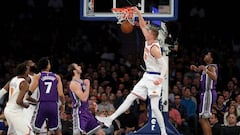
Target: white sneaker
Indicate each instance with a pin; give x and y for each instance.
(206, 115)
(105, 120)
(100, 118)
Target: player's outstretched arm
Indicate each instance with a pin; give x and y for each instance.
(142, 22)
(4, 90)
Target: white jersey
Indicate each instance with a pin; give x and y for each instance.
(151, 63)
(17, 124)
(14, 92)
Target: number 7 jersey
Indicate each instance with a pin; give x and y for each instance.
(48, 87)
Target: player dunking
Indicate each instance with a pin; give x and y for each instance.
(208, 88)
(83, 120)
(151, 83)
(50, 91)
(17, 88)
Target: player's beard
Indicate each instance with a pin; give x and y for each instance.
(79, 72)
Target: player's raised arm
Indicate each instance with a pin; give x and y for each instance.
(142, 22)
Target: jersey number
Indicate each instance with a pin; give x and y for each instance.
(49, 85)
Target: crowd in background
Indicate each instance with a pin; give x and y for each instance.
(32, 29)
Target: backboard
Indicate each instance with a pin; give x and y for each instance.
(101, 9)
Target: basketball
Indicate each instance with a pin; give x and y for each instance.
(126, 27)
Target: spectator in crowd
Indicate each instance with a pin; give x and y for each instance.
(227, 98)
(232, 128)
(231, 110)
(143, 116)
(219, 105)
(105, 106)
(174, 116)
(232, 89)
(129, 122)
(219, 114)
(215, 124)
(183, 111)
(119, 99)
(191, 108)
(172, 92)
(238, 104)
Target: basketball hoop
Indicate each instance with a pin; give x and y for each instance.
(123, 14)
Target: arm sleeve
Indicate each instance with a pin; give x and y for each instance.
(2, 92)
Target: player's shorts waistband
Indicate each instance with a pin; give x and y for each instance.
(154, 73)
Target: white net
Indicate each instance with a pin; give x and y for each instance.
(123, 14)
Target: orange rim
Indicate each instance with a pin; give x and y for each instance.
(124, 9)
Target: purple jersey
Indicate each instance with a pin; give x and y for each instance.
(208, 93)
(83, 119)
(75, 100)
(47, 107)
(206, 82)
(48, 87)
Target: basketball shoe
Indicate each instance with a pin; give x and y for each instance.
(107, 121)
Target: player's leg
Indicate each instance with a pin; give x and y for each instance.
(154, 94)
(204, 113)
(37, 122)
(91, 126)
(53, 116)
(21, 125)
(40, 117)
(8, 116)
(154, 101)
(16, 122)
(58, 132)
(124, 106)
(139, 91)
(206, 127)
(121, 109)
(10, 130)
(207, 99)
